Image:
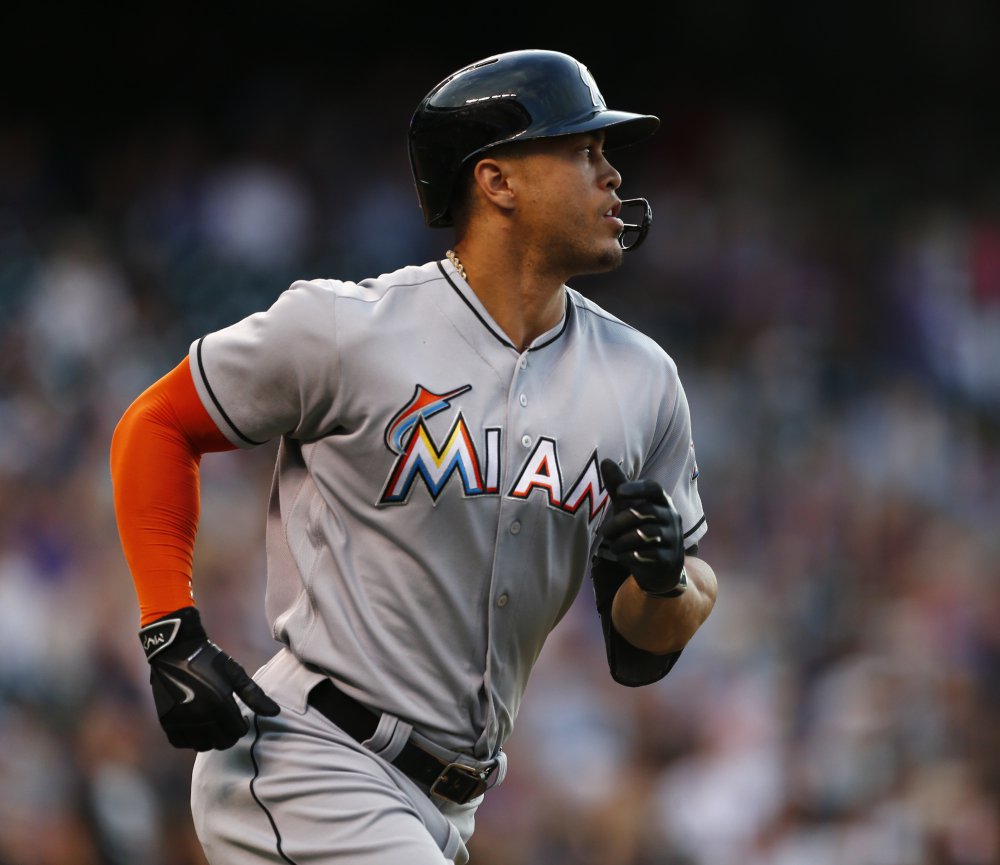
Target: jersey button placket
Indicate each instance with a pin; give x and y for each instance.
(522, 397)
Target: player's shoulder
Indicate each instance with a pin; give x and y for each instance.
(604, 327)
(372, 288)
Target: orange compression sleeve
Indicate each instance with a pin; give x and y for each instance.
(155, 458)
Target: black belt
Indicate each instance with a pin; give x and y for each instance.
(454, 782)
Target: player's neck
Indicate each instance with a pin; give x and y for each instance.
(523, 302)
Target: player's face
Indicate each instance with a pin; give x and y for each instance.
(567, 203)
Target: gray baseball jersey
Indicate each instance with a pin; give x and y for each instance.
(436, 498)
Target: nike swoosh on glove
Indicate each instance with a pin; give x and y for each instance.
(193, 683)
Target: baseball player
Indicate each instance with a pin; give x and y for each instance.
(462, 443)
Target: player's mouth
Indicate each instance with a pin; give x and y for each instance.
(612, 213)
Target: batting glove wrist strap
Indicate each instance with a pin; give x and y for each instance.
(645, 533)
(679, 588)
(193, 684)
(173, 633)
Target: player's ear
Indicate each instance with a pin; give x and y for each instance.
(491, 178)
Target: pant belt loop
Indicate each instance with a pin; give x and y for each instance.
(389, 737)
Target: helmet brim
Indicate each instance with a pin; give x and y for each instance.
(621, 128)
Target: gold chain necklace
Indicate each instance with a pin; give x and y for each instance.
(457, 262)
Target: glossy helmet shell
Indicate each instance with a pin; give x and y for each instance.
(516, 96)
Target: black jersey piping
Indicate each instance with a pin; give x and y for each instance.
(256, 798)
(694, 528)
(215, 401)
(605, 316)
(500, 338)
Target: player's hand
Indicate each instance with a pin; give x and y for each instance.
(645, 532)
(193, 684)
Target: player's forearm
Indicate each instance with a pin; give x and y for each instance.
(156, 506)
(155, 456)
(664, 625)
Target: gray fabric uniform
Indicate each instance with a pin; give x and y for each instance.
(436, 499)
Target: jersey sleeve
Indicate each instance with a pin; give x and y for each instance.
(275, 372)
(673, 463)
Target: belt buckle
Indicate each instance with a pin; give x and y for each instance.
(459, 783)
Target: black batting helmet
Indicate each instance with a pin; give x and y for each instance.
(516, 96)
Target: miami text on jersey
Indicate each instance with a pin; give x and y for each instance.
(419, 457)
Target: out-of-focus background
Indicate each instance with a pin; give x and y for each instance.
(824, 265)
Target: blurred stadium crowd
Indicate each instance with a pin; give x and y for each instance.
(838, 332)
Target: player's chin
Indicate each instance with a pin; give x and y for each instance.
(598, 257)
(609, 255)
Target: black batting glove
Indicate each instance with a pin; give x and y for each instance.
(193, 684)
(645, 532)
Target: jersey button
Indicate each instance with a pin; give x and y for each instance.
(523, 399)
(526, 441)
(502, 600)
(515, 527)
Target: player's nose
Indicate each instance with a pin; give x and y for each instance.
(611, 178)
